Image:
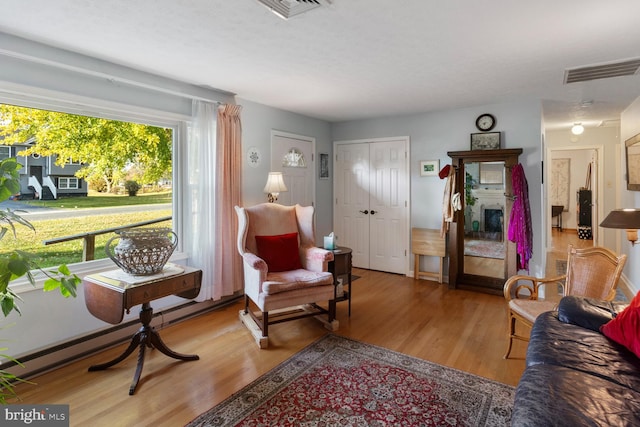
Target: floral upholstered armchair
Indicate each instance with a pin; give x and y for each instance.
(282, 267)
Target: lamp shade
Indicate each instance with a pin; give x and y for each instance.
(275, 183)
(628, 219)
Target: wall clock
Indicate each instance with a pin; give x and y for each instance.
(485, 122)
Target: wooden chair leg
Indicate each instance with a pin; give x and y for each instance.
(265, 324)
(512, 331)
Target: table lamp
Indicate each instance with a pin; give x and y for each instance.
(627, 219)
(275, 185)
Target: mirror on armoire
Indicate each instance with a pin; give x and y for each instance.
(480, 254)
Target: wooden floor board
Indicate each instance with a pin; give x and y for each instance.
(461, 329)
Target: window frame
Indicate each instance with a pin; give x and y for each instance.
(68, 179)
(102, 109)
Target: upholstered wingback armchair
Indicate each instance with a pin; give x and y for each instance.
(282, 267)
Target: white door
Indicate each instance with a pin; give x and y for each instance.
(293, 156)
(372, 209)
(351, 188)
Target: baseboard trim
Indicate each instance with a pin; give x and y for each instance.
(627, 287)
(56, 356)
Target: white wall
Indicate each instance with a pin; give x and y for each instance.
(434, 134)
(629, 127)
(257, 123)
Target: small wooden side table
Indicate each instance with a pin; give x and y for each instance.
(109, 294)
(556, 212)
(429, 242)
(341, 266)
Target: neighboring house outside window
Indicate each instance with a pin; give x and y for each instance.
(73, 162)
(67, 183)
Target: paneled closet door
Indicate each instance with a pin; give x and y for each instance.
(372, 213)
(351, 219)
(388, 203)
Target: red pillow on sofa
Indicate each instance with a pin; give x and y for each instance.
(625, 327)
(279, 252)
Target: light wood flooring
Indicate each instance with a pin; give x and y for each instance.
(461, 329)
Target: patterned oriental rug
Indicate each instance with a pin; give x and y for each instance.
(484, 248)
(337, 381)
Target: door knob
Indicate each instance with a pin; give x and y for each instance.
(373, 212)
(364, 212)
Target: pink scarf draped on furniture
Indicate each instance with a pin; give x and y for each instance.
(520, 230)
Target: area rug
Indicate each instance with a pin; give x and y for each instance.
(337, 381)
(484, 248)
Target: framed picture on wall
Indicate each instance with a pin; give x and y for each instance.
(429, 167)
(485, 141)
(632, 154)
(324, 166)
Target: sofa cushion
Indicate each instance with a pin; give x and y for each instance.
(588, 312)
(553, 342)
(280, 252)
(559, 396)
(625, 328)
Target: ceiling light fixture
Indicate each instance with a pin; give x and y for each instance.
(577, 129)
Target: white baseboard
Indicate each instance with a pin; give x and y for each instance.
(54, 357)
(627, 287)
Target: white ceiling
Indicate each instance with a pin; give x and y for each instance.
(357, 59)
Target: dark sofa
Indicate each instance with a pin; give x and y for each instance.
(575, 376)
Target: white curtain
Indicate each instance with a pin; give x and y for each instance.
(201, 190)
(213, 169)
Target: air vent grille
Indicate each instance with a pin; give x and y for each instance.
(604, 71)
(288, 8)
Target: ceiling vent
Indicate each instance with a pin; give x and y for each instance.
(593, 72)
(288, 8)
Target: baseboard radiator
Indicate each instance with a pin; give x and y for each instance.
(54, 357)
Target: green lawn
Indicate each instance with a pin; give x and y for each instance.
(71, 252)
(100, 200)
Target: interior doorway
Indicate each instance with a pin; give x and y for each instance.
(293, 155)
(571, 170)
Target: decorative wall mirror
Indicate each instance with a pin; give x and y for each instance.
(480, 255)
(633, 162)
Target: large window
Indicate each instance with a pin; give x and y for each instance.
(5, 152)
(93, 162)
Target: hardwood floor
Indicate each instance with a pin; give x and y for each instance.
(461, 329)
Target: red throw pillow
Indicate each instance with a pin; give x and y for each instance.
(625, 327)
(279, 252)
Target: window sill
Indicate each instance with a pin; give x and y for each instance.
(81, 269)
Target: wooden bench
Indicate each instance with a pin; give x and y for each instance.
(425, 241)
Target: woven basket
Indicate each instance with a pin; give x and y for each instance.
(142, 251)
